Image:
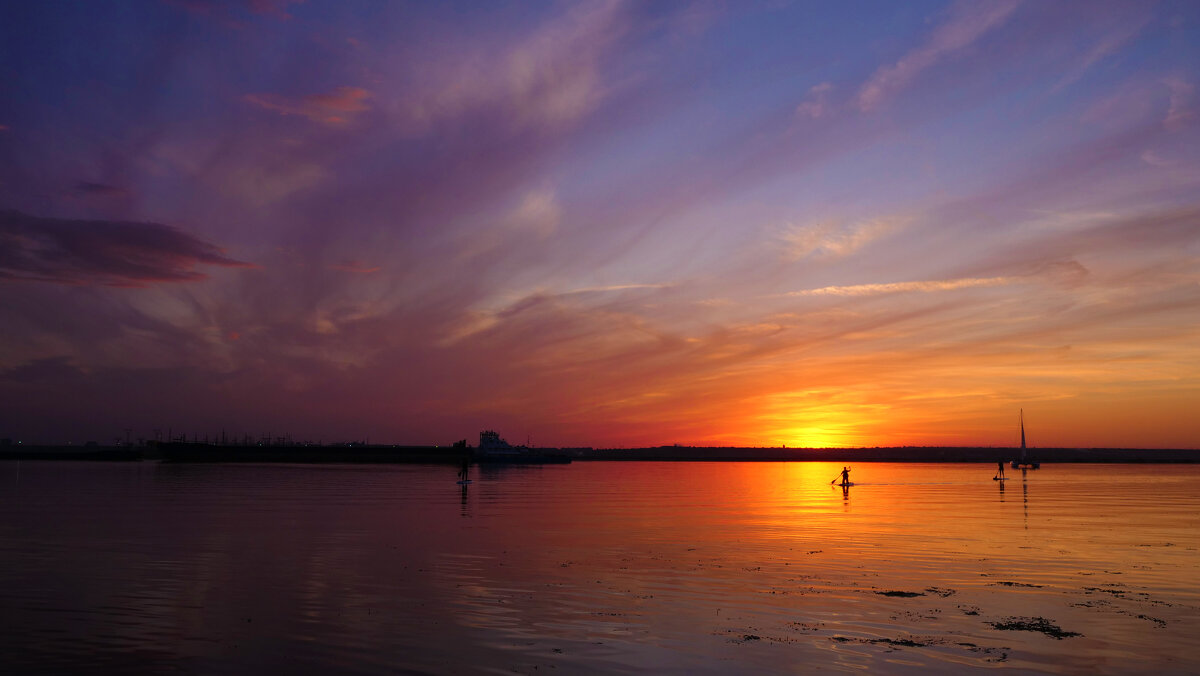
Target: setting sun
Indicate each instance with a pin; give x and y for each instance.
(595, 337)
(602, 224)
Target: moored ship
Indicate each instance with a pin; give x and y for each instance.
(492, 448)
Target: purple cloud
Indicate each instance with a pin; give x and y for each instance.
(109, 253)
(334, 108)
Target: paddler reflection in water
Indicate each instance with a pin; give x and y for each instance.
(845, 475)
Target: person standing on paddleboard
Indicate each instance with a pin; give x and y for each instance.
(1000, 469)
(845, 475)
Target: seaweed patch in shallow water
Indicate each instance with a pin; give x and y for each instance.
(806, 626)
(1141, 616)
(1033, 624)
(1120, 593)
(991, 654)
(899, 642)
(902, 594)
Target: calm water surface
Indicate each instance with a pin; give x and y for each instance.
(598, 568)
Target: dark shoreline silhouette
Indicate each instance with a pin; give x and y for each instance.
(367, 453)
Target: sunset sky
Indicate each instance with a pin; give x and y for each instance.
(602, 223)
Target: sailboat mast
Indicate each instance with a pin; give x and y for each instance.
(1022, 419)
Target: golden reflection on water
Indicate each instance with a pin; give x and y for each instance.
(1072, 546)
(602, 568)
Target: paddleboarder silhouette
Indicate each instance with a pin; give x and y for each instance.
(844, 476)
(1000, 469)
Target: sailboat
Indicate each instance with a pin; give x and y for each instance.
(1023, 463)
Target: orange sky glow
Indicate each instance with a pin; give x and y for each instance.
(603, 224)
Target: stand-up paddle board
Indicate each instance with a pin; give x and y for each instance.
(999, 478)
(464, 482)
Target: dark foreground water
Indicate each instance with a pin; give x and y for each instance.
(598, 568)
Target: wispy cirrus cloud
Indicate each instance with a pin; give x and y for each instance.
(832, 239)
(109, 253)
(534, 218)
(615, 287)
(1182, 102)
(539, 212)
(268, 183)
(816, 104)
(334, 108)
(636, 188)
(1123, 32)
(968, 23)
(552, 76)
(576, 300)
(903, 287)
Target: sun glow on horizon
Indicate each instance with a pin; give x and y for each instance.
(530, 218)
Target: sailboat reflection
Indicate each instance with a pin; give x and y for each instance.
(1025, 495)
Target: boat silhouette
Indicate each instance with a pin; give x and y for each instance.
(1023, 462)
